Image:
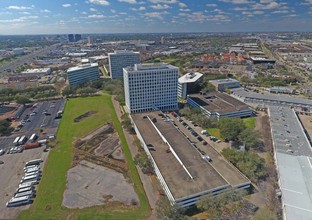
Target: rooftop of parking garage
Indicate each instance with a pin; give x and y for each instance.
(219, 102)
(205, 175)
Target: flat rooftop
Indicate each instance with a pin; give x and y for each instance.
(223, 81)
(243, 93)
(293, 158)
(150, 66)
(205, 176)
(218, 102)
(83, 66)
(190, 77)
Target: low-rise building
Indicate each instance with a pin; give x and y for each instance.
(82, 74)
(189, 83)
(39, 71)
(219, 105)
(223, 84)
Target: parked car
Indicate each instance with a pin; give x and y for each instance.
(2, 151)
(1, 162)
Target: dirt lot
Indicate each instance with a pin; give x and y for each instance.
(11, 173)
(84, 116)
(98, 172)
(306, 121)
(89, 185)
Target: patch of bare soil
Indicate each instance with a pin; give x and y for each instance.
(84, 116)
(98, 147)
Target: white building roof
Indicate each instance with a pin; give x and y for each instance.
(38, 70)
(190, 77)
(223, 81)
(84, 66)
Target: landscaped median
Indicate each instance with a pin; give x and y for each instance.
(47, 204)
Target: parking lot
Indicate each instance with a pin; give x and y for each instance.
(11, 172)
(38, 116)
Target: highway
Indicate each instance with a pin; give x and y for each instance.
(27, 58)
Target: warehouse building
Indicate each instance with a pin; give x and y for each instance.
(219, 105)
(223, 84)
(183, 171)
(82, 74)
(152, 86)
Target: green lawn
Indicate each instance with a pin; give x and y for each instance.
(47, 204)
(215, 132)
(250, 122)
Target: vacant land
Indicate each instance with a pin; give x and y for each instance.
(89, 185)
(48, 204)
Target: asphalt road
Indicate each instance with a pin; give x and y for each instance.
(27, 58)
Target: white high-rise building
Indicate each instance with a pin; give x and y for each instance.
(121, 59)
(151, 86)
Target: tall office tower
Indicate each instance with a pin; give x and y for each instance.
(81, 74)
(121, 59)
(162, 40)
(77, 37)
(90, 40)
(71, 38)
(151, 86)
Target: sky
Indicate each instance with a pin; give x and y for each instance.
(153, 16)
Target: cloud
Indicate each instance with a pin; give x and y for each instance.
(271, 5)
(236, 1)
(184, 9)
(93, 9)
(211, 5)
(240, 9)
(280, 12)
(182, 5)
(307, 2)
(158, 15)
(66, 5)
(45, 11)
(18, 20)
(96, 16)
(159, 6)
(12, 7)
(142, 8)
(129, 1)
(164, 1)
(99, 2)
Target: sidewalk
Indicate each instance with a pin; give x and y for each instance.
(151, 192)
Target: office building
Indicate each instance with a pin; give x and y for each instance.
(71, 38)
(90, 40)
(223, 84)
(121, 59)
(151, 87)
(82, 74)
(77, 37)
(189, 83)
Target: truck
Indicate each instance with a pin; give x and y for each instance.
(15, 142)
(22, 140)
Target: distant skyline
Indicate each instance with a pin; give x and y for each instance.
(145, 16)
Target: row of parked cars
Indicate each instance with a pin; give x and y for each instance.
(26, 190)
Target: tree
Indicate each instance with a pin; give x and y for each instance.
(250, 138)
(4, 127)
(230, 128)
(22, 100)
(164, 210)
(227, 202)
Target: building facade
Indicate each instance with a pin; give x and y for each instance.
(189, 83)
(121, 59)
(151, 87)
(82, 74)
(223, 84)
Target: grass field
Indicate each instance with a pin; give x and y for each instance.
(250, 122)
(47, 204)
(215, 132)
